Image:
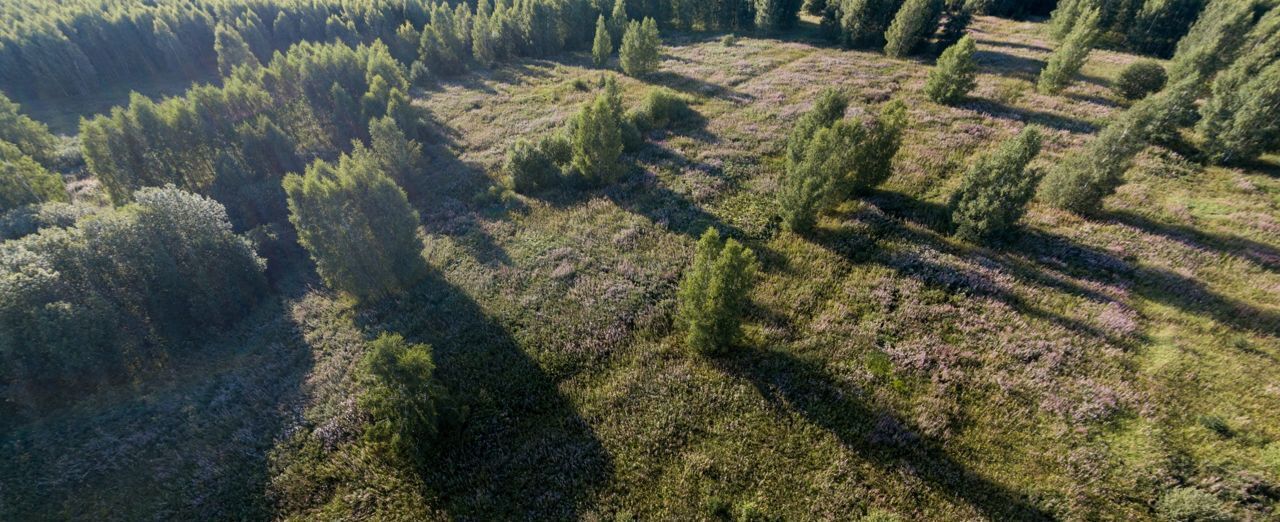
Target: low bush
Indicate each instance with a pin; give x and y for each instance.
(1140, 79)
(954, 75)
(661, 109)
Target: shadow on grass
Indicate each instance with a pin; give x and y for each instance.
(1263, 254)
(1015, 45)
(789, 383)
(1006, 64)
(522, 452)
(697, 87)
(1045, 119)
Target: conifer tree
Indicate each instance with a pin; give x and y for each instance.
(1241, 120)
(29, 136)
(618, 21)
(232, 50)
(954, 75)
(776, 15)
(864, 22)
(639, 52)
(401, 396)
(603, 45)
(596, 137)
(828, 109)
(23, 181)
(357, 225)
(1070, 56)
(713, 294)
(914, 23)
(397, 155)
(995, 190)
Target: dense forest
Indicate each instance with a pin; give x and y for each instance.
(640, 259)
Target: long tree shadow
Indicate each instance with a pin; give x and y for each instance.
(522, 451)
(792, 383)
(1007, 64)
(697, 87)
(1263, 254)
(1046, 119)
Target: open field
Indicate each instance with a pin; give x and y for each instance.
(1080, 371)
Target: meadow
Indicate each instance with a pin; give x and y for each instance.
(1087, 368)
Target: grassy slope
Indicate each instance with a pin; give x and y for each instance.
(1072, 373)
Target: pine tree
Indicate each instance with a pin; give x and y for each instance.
(1067, 16)
(914, 22)
(397, 155)
(618, 21)
(29, 136)
(603, 45)
(828, 109)
(776, 15)
(713, 294)
(483, 48)
(864, 22)
(954, 75)
(596, 135)
(232, 51)
(1070, 56)
(639, 53)
(357, 225)
(23, 181)
(401, 397)
(1241, 120)
(995, 190)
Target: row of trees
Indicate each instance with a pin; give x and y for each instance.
(900, 27)
(1151, 27)
(118, 293)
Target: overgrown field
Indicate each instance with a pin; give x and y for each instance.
(1086, 369)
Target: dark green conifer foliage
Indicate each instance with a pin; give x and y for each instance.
(596, 137)
(995, 190)
(602, 47)
(1070, 56)
(531, 167)
(401, 397)
(864, 22)
(828, 109)
(713, 294)
(29, 136)
(1241, 120)
(232, 51)
(776, 15)
(397, 155)
(640, 47)
(954, 75)
(618, 21)
(1140, 79)
(913, 24)
(357, 225)
(23, 181)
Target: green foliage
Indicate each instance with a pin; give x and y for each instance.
(357, 225)
(839, 159)
(1140, 79)
(1160, 24)
(232, 51)
(1241, 121)
(602, 47)
(713, 294)
(401, 397)
(397, 155)
(864, 22)
(828, 109)
(776, 15)
(119, 292)
(661, 108)
(954, 75)
(31, 137)
(531, 168)
(1189, 504)
(1068, 15)
(640, 48)
(995, 190)
(958, 17)
(23, 181)
(913, 24)
(597, 137)
(29, 219)
(1070, 56)
(1215, 39)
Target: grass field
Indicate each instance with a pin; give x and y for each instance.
(1080, 371)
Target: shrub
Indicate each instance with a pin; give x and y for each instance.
(357, 225)
(31, 137)
(914, 22)
(23, 181)
(661, 109)
(995, 190)
(713, 293)
(1140, 79)
(534, 167)
(29, 219)
(602, 47)
(596, 135)
(828, 109)
(400, 396)
(1070, 56)
(639, 52)
(954, 75)
(1188, 504)
(729, 40)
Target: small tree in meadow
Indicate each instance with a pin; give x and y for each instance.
(954, 75)
(1069, 57)
(828, 109)
(713, 294)
(400, 396)
(996, 189)
(639, 52)
(596, 137)
(914, 22)
(603, 45)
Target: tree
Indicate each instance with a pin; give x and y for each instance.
(602, 47)
(618, 21)
(596, 137)
(639, 52)
(828, 109)
(863, 22)
(397, 155)
(776, 15)
(232, 51)
(24, 182)
(401, 397)
(914, 22)
(1070, 56)
(1140, 79)
(713, 293)
(954, 75)
(1241, 120)
(995, 190)
(357, 225)
(29, 136)
(534, 167)
(1067, 16)
(959, 15)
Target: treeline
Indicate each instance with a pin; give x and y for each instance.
(118, 293)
